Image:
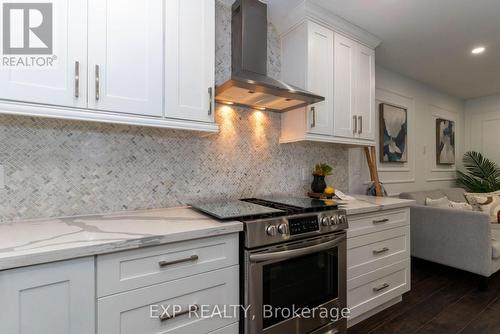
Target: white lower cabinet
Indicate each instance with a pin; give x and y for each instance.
(134, 288)
(131, 289)
(54, 298)
(139, 311)
(378, 261)
(125, 271)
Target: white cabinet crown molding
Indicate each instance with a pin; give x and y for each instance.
(307, 10)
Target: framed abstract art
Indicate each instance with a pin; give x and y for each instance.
(393, 133)
(445, 142)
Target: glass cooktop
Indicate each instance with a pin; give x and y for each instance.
(236, 210)
(257, 208)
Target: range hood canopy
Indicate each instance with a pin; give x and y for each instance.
(249, 84)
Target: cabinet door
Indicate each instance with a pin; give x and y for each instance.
(365, 92)
(320, 79)
(57, 84)
(126, 56)
(54, 298)
(190, 59)
(344, 122)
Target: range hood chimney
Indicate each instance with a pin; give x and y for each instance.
(249, 84)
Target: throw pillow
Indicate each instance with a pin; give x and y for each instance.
(461, 206)
(442, 202)
(487, 202)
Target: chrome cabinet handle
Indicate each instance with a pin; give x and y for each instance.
(210, 100)
(77, 79)
(313, 123)
(97, 83)
(192, 258)
(381, 287)
(380, 251)
(192, 308)
(380, 221)
(355, 130)
(360, 119)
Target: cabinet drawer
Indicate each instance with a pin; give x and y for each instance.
(123, 271)
(375, 222)
(132, 312)
(369, 252)
(376, 288)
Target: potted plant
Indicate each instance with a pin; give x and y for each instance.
(320, 171)
(481, 174)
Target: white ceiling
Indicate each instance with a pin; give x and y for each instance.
(429, 40)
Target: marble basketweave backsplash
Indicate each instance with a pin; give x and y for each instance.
(60, 168)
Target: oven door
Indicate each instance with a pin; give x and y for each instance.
(304, 274)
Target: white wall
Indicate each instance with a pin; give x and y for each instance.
(424, 105)
(482, 126)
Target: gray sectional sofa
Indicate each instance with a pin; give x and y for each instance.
(456, 238)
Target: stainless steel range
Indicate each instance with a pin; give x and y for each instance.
(293, 259)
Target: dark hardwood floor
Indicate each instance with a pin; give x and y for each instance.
(442, 300)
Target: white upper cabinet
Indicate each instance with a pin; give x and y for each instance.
(342, 70)
(343, 100)
(126, 56)
(60, 77)
(365, 92)
(319, 78)
(136, 62)
(354, 97)
(190, 59)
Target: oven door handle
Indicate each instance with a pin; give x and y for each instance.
(284, 255)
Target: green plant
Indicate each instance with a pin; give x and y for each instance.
(322, 170)
(481, 176)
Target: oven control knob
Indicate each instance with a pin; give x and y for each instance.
(343, 219)
(283, 229)
(326, 221)
(335, 220)
(271, 230)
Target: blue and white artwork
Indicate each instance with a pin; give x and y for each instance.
(393, 133)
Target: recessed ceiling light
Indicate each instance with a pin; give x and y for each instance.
(478, 50)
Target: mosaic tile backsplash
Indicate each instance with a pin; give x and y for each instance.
(60, 168)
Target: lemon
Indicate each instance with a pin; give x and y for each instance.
(329, 190)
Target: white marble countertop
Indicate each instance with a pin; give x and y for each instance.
(367, 204)
(32, 242)
(40, 241)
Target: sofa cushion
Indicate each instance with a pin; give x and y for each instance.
(420, 196)
(486, 202)
(455, 194)
(495, 247)
(442, 202)
(461, 206)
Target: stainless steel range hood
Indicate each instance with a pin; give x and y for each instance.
(249, 84)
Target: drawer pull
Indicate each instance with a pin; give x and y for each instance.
(381, 250)
(210, 100)
(97, 83)
(166, 316)
(380, 221)
(381, 287)
(192, 258)
(77, 79)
